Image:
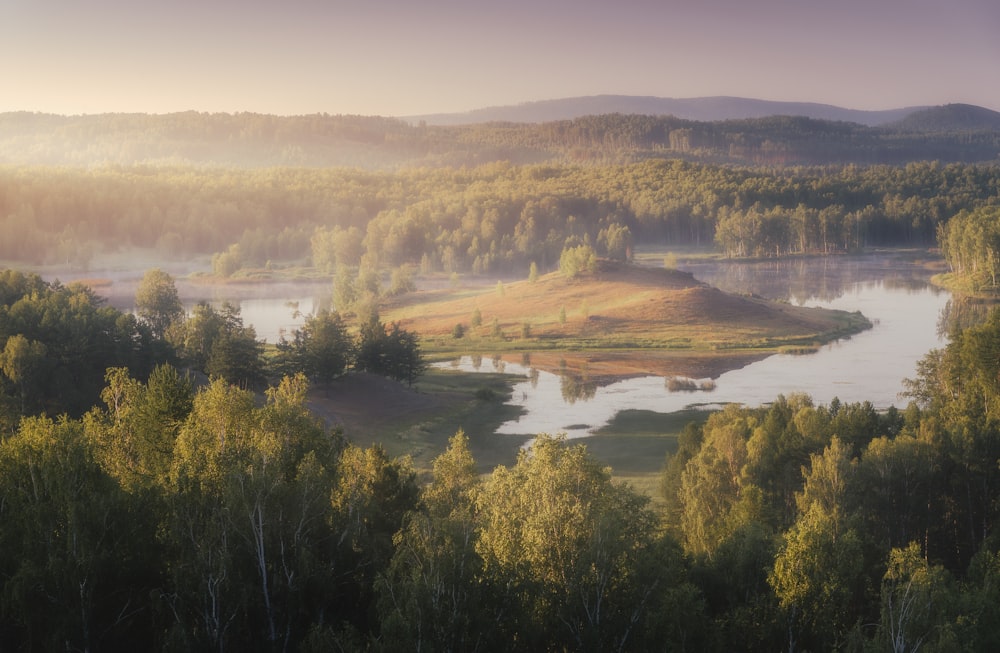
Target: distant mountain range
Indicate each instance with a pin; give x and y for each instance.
(711, 109)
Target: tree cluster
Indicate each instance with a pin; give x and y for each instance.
(55, 343)
(838, 527)
(215, 342)
(970, 243)
(170, 519)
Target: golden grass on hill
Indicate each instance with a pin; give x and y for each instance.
(618, 307)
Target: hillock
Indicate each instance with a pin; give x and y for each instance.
(641, 317)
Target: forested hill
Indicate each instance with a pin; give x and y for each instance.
(951, 117)
(256, 140)
(703, 109)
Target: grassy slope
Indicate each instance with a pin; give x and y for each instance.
(660, 313)
(418, 422)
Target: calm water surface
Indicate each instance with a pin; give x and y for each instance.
(869, 366)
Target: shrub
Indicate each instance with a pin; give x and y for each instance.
(485, 394)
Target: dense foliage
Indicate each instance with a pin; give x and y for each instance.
(491, 218)
(204, 520)
(970, 242)
(55, 343)
(176, 518)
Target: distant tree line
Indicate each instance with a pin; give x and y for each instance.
(255, 140)
(488, 219)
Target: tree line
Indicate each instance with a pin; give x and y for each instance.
(175, 518)
(490, 219)
(970, 243)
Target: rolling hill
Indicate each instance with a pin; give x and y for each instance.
(703, 109)
(643, 318)
(612, 129)
(949, 118)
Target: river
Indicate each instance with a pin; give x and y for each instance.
(890, 290)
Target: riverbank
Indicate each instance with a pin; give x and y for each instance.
(625, 320)
(418, 421)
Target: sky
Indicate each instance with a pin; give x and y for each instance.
(414, 57)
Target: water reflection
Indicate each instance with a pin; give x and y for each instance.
(575, 386)
(869, 366)
(962, 312)
(811, 280)
(533, 377)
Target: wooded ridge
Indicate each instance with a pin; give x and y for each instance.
(950, 133)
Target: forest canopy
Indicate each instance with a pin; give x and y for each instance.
(488, 219)
(248, 189)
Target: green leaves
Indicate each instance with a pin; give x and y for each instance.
(157, 301)
(568, 543)
(577, 261)
(818, 576)
(322, 349)
(73, 545)
(389, 350)
(56, 341)
(216, 343)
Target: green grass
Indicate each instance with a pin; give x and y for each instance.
(635, 445)
(425, 440)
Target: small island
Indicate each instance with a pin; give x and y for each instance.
(624, 319)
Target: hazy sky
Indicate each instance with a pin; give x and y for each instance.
(408, 57)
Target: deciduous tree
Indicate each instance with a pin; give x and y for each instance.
(157, 301)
